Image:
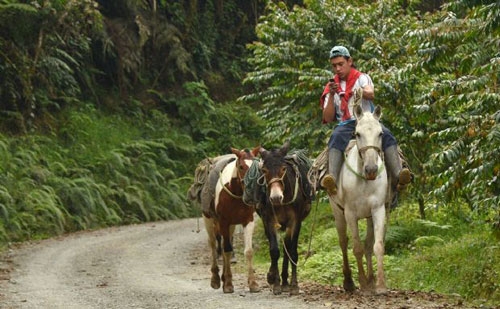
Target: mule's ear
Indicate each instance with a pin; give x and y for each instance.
(377, 113)
(262, 151)
(285, 147)
(358, 111)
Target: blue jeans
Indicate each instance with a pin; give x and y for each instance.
(341, 136)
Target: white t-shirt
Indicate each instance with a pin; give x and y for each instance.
(367, 105)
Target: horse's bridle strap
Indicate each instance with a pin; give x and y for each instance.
(364, 149)
(296, 189)
(360, 151)
(227, 190)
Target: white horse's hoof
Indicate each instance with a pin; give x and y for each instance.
(381, 291)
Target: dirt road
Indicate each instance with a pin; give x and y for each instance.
(155, 265)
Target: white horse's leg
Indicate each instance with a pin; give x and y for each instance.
(341, 226)
(357, 247)
(369, 242)
(248, 236)
(210, 227)
(379, 227)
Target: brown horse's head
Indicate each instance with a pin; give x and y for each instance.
(244, 161)
(274, 169)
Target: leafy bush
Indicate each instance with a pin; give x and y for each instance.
(468, 265)
(101, 171)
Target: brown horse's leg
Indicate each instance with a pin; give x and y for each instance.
(211, 231)
(287, 253)
(273, 274)
(369, 242)
(294, 258)
(218, 238)
(248, 234)
(379, 227)
(341, 226)
(227, 276)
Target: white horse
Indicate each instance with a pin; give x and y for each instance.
(363, 191)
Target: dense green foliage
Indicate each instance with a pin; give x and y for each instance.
(93, 176)
(99, 126)
(436, 78)
(107, 106)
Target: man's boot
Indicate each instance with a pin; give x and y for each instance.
(329, 181)
(400, 176)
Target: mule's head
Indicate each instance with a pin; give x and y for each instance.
(369, 140)
(244, 161)
(274, 170)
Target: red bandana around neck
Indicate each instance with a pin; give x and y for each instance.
(351, 80)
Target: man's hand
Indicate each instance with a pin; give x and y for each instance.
(332, 85)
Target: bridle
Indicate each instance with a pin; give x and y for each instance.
(240, 179)
(361, 152)
(263, 182)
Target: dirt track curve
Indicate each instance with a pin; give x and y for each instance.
(156, 265)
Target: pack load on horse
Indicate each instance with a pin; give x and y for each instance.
(364, 192)
(218, 188)
(284, 201)
(198, 187)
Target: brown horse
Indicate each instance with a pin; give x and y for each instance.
(285, 205)
(223, 208)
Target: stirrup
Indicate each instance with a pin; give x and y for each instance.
(404, 179)
(328, 182)
(394, 201)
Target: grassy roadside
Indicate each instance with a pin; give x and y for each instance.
(441, 255)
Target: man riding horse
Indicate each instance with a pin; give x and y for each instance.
(337, 102)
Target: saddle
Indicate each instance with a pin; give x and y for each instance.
(200, 177)
(303, 164)
(319, 166)
(202, 191)
(255, 190)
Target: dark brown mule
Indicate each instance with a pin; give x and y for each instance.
(287, 203)
(223, 210)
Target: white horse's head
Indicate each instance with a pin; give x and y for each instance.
(369, 140)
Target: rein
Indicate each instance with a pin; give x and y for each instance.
(295, 192)
(226, 189)
(309, 253)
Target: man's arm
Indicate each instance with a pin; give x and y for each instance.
(328, 109)
(368, 92)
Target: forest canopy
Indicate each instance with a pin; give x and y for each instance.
(180, 81)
